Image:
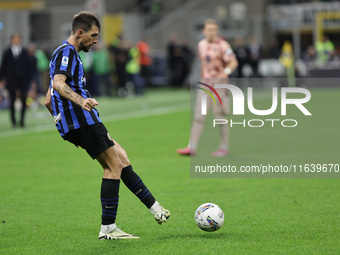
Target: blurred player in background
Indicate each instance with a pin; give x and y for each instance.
(218, 61)
(78, 122)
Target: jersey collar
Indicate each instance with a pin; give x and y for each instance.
(66, 42)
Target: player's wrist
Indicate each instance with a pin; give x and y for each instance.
(227, 70)
(80, 101)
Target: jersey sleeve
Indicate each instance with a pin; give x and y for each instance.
(64, 62)
(227, 52)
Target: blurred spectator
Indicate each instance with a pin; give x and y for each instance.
(254, 55)
(178, 66)
(101, 68)
(159, 69)
(120, 52)
(324, 49)
(274, 49)
(241, 52)
(179, 58)
(15, 69)
(171, 55)
(187, 58)
(133, 69)
(310, 54)
(145, 60)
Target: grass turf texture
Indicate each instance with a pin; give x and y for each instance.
(49, 191)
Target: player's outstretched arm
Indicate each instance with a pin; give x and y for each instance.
(48, 101)
(65, 91)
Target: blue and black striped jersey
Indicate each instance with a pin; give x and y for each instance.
(69, 116)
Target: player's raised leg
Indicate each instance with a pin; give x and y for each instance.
(112, 166)
(136, 185)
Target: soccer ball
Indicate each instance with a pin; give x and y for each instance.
(209, 217)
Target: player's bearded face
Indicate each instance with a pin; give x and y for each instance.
(89, 39)
(85, 46)
(210, 31)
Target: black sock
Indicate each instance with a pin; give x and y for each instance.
(136, 185)
(109, 198)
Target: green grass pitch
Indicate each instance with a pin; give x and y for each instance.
(49, 189)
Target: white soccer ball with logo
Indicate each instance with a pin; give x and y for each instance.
(209, 217)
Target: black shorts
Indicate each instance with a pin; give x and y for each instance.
(94, 139)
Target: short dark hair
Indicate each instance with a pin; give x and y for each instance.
(84, 20)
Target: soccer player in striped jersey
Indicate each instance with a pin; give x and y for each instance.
(218, 61)
(78, 122)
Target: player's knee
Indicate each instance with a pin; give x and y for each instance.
(124, 157)
(112, 173)
(220, 113)
(127, 162)
(220, 116)
(119, 164)
(115, 168)
(199, 119)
